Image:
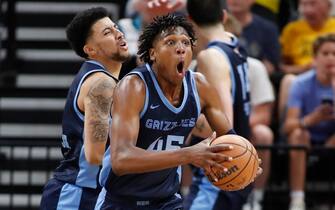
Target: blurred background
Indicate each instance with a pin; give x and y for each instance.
(36, 68)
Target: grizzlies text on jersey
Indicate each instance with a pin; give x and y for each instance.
(162, 127)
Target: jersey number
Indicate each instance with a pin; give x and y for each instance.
(243, 73)
(171, 142)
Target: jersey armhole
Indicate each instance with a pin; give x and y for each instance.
(79, 112)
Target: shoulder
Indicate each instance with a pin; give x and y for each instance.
(99, 82)
(212, 56)
(303, 81)
(209, 53)
(305, 77)
(131, 84)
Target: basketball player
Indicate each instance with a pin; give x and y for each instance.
(224, 64)
(155, 107)
(95, 37)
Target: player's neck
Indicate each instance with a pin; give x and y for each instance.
(216, 33)
(172, 90)
(113, 67)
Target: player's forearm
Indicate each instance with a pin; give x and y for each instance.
(137, 160)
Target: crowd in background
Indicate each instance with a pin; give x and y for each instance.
(291, 49)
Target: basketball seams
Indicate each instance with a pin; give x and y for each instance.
(234, 144)
(237, 173)
(249, 167)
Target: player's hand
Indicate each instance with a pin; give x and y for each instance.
(259, 170)
(161, 7)
(210, 157)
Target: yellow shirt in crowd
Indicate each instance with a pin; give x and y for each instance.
(297, 40)
(272, 5)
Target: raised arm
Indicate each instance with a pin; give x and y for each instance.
(95, 99)
(127, 158)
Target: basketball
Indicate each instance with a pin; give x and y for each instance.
(242, 169)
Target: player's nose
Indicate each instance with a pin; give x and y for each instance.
(180, 49)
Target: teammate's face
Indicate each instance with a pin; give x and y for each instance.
(315, 11)
(172, 54)
(325, 59)
(107, 41)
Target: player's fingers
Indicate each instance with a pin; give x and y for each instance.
(212, 137)
(220, 148)
(211, 175)
(218, 168)
(259, 171)
(209, 140)
(220, 158)
(174, 5)
(259, 161)
(153, 3)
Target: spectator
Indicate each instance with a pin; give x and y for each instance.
(259, 36)
(296, 41)
(262, 99)
(310, 117)
(297, 37)
(278, 11)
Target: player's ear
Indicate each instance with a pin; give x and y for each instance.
(89, 50)
(224, 16)
(152, 55)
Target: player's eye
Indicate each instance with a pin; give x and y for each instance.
(187, 42)
(170, 42)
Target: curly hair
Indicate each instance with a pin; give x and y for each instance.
(79, 29)
(158, 25)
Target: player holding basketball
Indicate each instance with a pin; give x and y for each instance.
(155, 107)
(95, 37)
(224, 64)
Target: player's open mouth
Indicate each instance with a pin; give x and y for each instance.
(180, 67)
(123, 44)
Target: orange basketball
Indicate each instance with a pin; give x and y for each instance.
(242, 169)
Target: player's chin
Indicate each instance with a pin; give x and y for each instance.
(180, 74)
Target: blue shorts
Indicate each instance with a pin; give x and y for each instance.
(108, 202)
(204, 195)
(59, 195)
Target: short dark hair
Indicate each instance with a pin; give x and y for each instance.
(158, 25)
(79, 29)
(206, 12)
(321, 40)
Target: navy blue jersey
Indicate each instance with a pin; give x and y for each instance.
(202, 191)
(74, 168)
(162, 127)
(240, 83)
